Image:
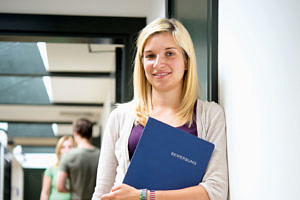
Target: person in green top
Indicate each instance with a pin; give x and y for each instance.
(49, 191)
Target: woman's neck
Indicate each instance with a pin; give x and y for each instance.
(165, 106)
(166, 99)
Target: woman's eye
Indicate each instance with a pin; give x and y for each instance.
(170, 53)
(150, 56)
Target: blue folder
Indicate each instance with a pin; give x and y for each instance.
(167, 158)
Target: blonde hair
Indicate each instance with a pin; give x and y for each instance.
(59, 146)
(142, 88)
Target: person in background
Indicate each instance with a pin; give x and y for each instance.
(165, 88)
(80, 164)
(49, 192)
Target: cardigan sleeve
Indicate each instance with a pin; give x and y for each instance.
(215, 180)
(107, 165)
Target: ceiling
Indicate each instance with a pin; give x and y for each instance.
(45, 86)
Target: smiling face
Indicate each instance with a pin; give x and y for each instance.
(67, 146)
(163, 62)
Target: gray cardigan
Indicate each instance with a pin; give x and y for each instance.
(114, 156)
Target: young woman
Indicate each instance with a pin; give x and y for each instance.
(49, 192)
(165, 88)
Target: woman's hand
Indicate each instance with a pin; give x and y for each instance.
(122, 192)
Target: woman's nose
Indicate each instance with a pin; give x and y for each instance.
(158, 61)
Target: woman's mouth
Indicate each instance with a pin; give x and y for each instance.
(162, 74)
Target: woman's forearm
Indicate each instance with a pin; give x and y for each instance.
(46, 188)
(44, 196)
(126, 192)
(190, 193)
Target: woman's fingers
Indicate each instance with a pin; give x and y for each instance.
(116, 188)
(108, 196)
(122, 192)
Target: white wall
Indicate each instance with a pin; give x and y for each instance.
(132, 8)
(157, 8)
(259, 70)
(128, 8)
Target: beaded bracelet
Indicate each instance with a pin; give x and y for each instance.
(141, 197)
(143, 194)
(152, 195)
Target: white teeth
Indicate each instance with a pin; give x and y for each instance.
(161, 74)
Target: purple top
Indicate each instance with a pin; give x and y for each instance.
(136, 133)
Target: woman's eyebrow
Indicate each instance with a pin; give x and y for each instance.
(167, 48)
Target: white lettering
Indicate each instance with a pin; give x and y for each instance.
(181, 157)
